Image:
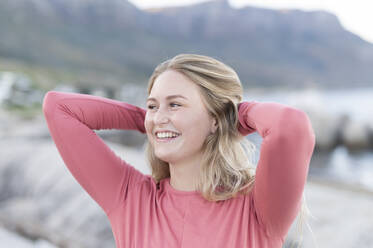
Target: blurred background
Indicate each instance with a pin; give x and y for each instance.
(313, 55)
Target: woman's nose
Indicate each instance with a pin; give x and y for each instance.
(160, 117)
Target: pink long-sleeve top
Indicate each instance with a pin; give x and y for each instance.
(143, 215)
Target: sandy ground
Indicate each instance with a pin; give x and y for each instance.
(342, 216)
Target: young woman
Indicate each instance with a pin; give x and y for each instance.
(203, 191)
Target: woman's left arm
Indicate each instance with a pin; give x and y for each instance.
(285, 154)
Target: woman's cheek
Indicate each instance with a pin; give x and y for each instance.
(148, 127)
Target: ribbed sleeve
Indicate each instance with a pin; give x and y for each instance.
(285, 154)
(71, 119)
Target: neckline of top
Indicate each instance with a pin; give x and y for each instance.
(176, 191)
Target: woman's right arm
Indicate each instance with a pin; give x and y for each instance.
(71, 119)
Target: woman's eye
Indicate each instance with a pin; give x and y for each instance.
(171, 104)
(175, 104)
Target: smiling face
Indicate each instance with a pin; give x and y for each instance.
(175, 104)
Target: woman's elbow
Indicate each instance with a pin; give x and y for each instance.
(296, 124)
(49, 102)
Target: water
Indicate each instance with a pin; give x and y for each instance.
(341, 165)
(357, 103)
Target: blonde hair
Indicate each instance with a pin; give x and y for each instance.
(227, 166)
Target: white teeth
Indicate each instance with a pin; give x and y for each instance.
(166, 135)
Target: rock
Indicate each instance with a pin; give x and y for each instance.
(11, 239)
(326, 128)
(355, 135)
(34, 181)
(123, 137)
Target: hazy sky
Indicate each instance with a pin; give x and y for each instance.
(355, 15)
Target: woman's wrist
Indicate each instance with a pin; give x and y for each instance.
(245, 126)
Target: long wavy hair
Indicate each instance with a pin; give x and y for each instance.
(227, 166)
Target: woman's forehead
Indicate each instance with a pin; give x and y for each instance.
(171, 86)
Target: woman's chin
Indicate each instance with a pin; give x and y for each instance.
(168, 158)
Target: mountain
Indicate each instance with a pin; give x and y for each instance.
(113, 42)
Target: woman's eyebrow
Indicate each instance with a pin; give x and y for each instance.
(168, 97)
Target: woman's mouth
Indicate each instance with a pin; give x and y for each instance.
(165, 138)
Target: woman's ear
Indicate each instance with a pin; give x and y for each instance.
(214, 125)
